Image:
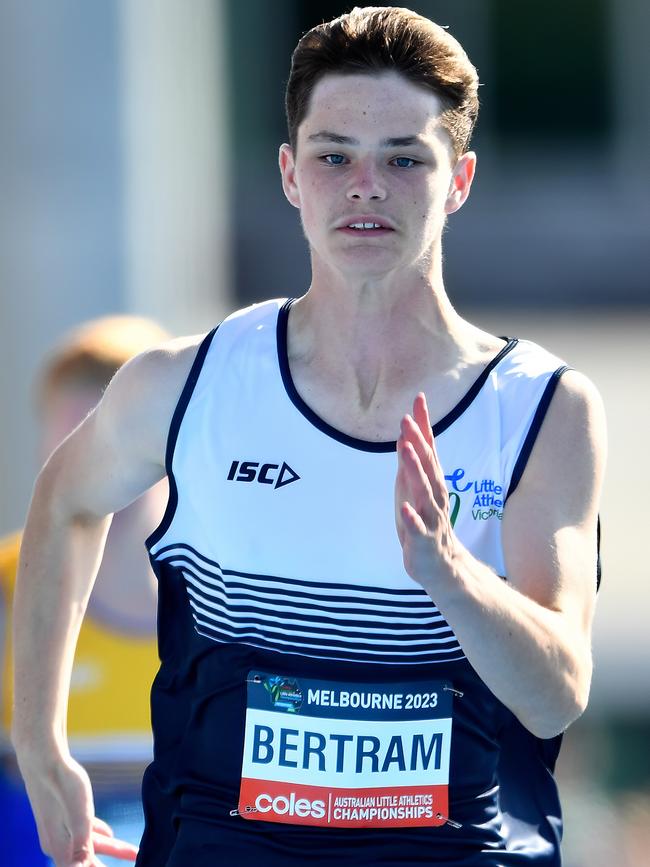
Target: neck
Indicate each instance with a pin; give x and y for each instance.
(369, 333)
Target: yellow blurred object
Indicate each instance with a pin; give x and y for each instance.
(108, 710)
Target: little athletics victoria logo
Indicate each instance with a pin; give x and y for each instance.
(483, 496)
(347, 755)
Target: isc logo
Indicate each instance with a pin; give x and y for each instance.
(265, 474)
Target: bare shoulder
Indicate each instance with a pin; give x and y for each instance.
(143, 394)
(118, 451)
(577, 394)
(549, 523)
(571, 446)
(173, 358)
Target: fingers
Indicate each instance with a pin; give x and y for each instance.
(102, 827)
(411, 433)
(401, 491)
(108, 845)
(64, 834)
(78, 822)
(420, 481)
(413, 523)
(68, 830)
(81, 858)
(104, 843)
(416, 476)
(417, 490)
(421, 498)
(416, 429)
(406, 494)
(421, 416)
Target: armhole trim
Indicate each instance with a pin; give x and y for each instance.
(475, 388)
(536, 424)
(599, 567)
(174, 429)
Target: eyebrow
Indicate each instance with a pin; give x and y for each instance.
(336, 138)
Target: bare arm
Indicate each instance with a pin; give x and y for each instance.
(108, 461)
(529, 639)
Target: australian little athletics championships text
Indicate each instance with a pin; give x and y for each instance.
(361, 809)
(383, 807)
(367, 814)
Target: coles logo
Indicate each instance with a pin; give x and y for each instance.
(283, 805)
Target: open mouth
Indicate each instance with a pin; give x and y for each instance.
(365, 229)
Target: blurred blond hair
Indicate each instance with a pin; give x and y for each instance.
(91, 353)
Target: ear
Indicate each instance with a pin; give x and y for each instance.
(288, 172)
(461, 182)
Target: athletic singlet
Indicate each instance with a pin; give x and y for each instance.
(312, 702)
(108, 710)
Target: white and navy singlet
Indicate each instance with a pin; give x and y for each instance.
(312, 704)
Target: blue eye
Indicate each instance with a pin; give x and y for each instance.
(334, 159)
(404, 162)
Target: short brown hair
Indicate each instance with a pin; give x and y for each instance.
(92, 353)
(379, 39)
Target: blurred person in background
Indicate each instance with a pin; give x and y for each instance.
(116, 658)
(367, 655)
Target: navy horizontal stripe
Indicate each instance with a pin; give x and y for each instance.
(218, 580)
(316, 626)
(281, 613)
(340, 653)
(336, 603)
(329, 620)
(338, 657)
(253, 576)
(298, 638)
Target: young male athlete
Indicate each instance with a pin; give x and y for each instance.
(377, 566)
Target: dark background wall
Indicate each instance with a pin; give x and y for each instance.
(556, 216)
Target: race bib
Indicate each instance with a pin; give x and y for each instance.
(346, 755)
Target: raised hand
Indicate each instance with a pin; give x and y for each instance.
(421, 500)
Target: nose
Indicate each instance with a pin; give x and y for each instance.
(366, 183)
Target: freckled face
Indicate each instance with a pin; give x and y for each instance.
(372, 154)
